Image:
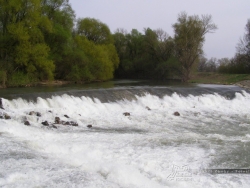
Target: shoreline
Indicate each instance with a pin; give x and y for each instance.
(244, 83)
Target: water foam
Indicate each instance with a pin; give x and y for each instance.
(140, 150)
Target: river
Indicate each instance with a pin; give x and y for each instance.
(172, 135)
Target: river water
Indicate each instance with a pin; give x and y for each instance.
(202, 147)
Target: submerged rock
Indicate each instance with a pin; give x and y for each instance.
(176, 113)
(6, 116)
(148, 108)
(27, 123)
(66, 116)
(38, 114)
(72, 123)
(45, 123)
(89, 126)
(126, 114)
(57, 120)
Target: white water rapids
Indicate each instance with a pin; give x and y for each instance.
(149, 148)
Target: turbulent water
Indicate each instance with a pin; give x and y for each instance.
(150, 148)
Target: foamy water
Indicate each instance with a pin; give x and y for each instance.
(149, 148)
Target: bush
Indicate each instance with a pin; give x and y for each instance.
(20, 79)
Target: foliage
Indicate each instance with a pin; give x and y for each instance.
(22, 42)
(94, 30)
(20, 79)
(189, 38)
(143, 55)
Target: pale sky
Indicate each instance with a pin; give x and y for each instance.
(229, 15)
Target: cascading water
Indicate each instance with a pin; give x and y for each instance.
(151, 147)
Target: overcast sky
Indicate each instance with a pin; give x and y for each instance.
(229, 15)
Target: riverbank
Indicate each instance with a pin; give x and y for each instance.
(242, 80)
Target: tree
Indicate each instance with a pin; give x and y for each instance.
(242, 56)
(94, 56)
(23, 51)
(94, 30)
(59, 38)
(189, 38)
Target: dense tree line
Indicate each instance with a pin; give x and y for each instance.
(42, 40)
(38, 41)
(154, 54)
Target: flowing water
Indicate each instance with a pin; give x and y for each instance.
(150, 148)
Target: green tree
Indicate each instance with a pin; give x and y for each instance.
(189, 38)
(94, 57)
(59, 38)
(23, 48)
(94, 30)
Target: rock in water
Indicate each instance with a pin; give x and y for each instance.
(89, 126)
(66, 116)
(57, 120)
(177, 114)
(126, 114)
(1, 104)
(27, 123)
(6, 116)
(38, 114)
(45, 123)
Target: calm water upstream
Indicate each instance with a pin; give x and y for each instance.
(202, 147)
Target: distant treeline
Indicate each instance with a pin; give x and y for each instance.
(43, 40)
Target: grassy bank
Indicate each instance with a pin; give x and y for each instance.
(216, 78)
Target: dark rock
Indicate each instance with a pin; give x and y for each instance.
(66, 123)
(6, 116)
(57, 120)
(50, 111)
(1, 117)
(66, 116)
(71, 123)
(126, 114)
(45, 123)
(1, 104)
(53, 126)
(38, 114)
(89, 126)
(32, 113)
(148, 108)
(177, 114)
(27, 123)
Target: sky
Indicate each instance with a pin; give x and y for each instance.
(230, 16)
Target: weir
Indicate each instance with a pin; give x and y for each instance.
(211, 131)
(130, 92)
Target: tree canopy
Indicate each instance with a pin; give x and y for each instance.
(189, 38)
(43, 40)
